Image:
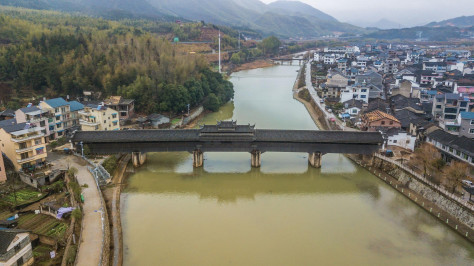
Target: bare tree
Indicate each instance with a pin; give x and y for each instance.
(454, 173)
(427, 154)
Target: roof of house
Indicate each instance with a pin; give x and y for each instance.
(394, 131)
(29, 109)
(401, 102)
(353, 103)
(378, 115)
(460, 143)
(377, 104)
(117, 100)
(8, 112)
(6, 238)
(76, 106)
(14, 127)
(56, 102)
(405, 116)
(467, 115)
(7, 122)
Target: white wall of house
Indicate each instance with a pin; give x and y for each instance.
(402, 140)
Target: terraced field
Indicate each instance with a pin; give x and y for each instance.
(42, 224)
(22, 197)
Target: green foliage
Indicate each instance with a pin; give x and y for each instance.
(235, 59)
(77, 213)
(76, 189)
(56, 187)
(304, 94)
(56, 54)
(110, 164)
(270, 45)
(212, 102)
(72, 172)
(438, 163)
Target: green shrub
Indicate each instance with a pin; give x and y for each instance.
(110, 164)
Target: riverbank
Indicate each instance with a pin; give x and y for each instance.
(262, 63)
(441, 206)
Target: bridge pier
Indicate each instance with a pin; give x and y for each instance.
(138, 159)
(256, 159)
(198, 158)
(314, 159)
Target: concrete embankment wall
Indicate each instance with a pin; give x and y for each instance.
(427, 196)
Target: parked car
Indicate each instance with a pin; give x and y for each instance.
(468, 183)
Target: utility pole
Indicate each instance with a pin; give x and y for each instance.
(219, 51)
(188, 108)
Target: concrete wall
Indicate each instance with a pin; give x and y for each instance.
(463, 214)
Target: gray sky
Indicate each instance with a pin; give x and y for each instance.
(405, 12)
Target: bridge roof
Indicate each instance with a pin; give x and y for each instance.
(262, 135)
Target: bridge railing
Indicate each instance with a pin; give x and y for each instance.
(440, 189)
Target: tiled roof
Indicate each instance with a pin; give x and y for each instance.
(6, 238)
(7, 122)
(14, 127)
(76, 106)
(460, 143)
(8, 112)
(30, 109)
(377, 115)
(57, 102)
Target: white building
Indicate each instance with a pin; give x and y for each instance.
(15, 248)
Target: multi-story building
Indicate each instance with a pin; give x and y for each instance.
(452, 146)
(24, 144)
(439, 67)
(15, 247)
(466, 124)
(98, 118)
(75, 108)
(356, 92)
(61, 122)
(35, 116)
(125, 107)
(446, 109)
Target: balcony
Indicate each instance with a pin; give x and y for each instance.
(29, 159)
(29, 148)
(87, 123)
(26, 138)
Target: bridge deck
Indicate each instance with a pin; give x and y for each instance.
(261, 135)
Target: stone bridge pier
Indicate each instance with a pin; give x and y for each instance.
(198, 158)
(314, 159)
(256, 159)
(138, 159)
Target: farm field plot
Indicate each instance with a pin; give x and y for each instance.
(23, 196)
(42, 224)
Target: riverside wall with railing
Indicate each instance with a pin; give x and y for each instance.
(449, 208)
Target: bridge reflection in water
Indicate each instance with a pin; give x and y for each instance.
(176, 177)
(227, 136)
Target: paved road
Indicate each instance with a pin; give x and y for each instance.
(90, 249)
(317, 100)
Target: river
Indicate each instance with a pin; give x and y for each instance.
(284, 213)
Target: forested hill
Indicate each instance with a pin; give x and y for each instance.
(48, 54)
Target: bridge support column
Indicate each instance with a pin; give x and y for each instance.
(138, 159)
(256, 159)
(315, 159)
(198, 158)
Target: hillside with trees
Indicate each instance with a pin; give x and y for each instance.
(49, 54)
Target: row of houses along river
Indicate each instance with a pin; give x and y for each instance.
(285, 213)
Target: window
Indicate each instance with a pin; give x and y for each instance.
(383, 123)
(458, 153)
(463, 104)
(408, 141)
(471, 131)
(472, 122)
(38, 141)
(438, 106)
(363, 96)
(56, 110)
(105, 121)
(114, 115)
(24, 155)
(42, 123)
(391, 122)
(395, 141)
(115, 123)
(364, 90)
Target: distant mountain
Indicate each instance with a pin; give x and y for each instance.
(299, 8)
(427, 33)
(383, 24)
(282, 18)
(462, 22)
(103, 8)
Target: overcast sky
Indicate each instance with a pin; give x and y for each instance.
(405, 12)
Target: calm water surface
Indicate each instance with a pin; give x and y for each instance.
(284, 213)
